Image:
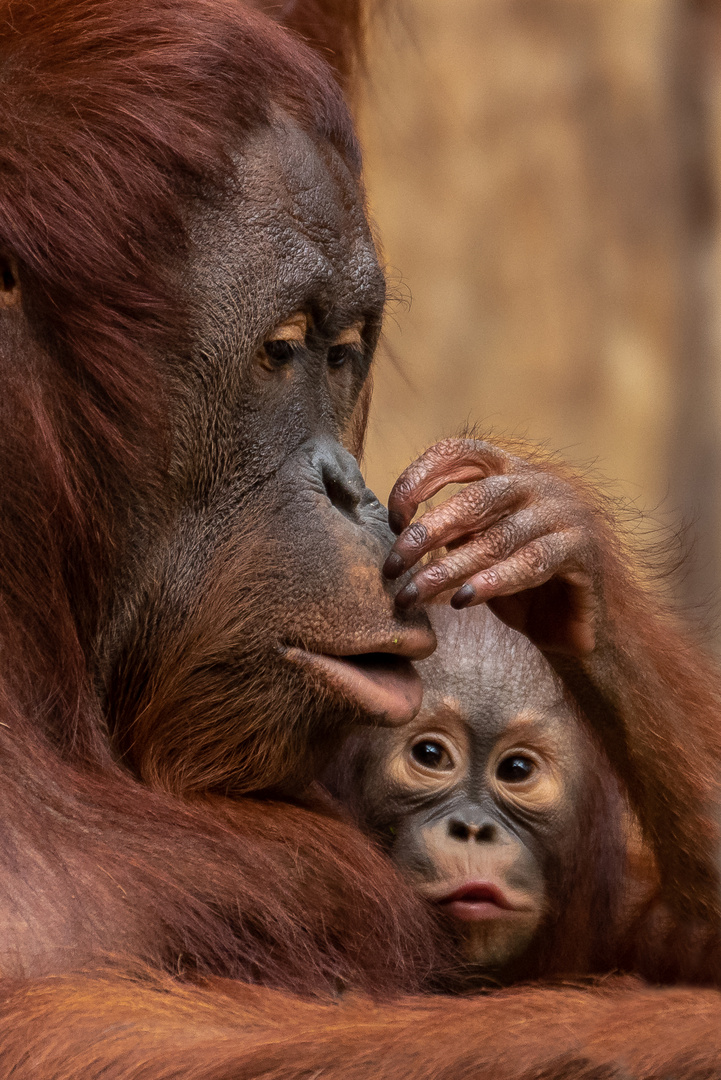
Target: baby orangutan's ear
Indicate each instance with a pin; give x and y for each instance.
(334, 28)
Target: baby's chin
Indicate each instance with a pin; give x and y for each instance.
(497, 944)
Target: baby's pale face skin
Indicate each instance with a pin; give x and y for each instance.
(471, 793)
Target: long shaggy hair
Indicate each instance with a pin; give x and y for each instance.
(114, 117)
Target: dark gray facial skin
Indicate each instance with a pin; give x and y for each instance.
(286, 299)
(476, 794)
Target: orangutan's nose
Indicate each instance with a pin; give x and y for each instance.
(339, 475)
(467, 831)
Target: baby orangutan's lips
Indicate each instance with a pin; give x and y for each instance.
(385, 686)
(475, 901)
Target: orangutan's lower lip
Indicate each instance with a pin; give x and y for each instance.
(476, 902)
(385, 686)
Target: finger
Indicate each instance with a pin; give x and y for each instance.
(452, 461)
(468, 512)
(496, 545)
(532, 566)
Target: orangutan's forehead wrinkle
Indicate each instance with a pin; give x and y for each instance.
(299, 208)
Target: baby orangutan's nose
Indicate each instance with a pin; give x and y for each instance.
(466, 831)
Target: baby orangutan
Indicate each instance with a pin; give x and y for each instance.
(497, 805)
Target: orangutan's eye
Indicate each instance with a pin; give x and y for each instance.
(339, 354)
(515, 768)
(347, 346)
(284, 342)
(431, 755)
(279, 353)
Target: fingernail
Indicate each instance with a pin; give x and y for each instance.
(395, 521)
(463, 597)
(393, 566)
(407, 596)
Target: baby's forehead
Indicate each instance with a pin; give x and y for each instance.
(486, 673)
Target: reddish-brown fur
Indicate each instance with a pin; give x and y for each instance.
(649, 694)
(336, 30)
(653, 699)
(258, 891)
(132, 153)
(154, 1029)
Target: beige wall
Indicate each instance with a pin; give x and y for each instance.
(542, 174)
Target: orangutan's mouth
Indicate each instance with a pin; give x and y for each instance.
(386, 687)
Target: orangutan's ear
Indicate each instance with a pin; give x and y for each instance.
(334, 28)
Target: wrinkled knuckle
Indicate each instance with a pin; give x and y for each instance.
(475, 496)
(499, 542)
(403, 488)
(495, 551)
(566, 513)
(496, 487)
(447, 448)
(508, 536)
(415, 535)
(536, 560)
(549, 516)
(436, 574)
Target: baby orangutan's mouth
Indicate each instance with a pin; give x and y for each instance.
(475, 901)
(385, 686)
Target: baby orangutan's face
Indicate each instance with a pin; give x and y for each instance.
(475, 794)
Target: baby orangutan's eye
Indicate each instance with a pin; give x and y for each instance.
(514, 769)
(431, 755)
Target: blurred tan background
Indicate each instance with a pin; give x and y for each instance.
(545, 176)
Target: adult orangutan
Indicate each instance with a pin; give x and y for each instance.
(188, 559)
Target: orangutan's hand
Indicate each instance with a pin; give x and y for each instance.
(519, 537)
